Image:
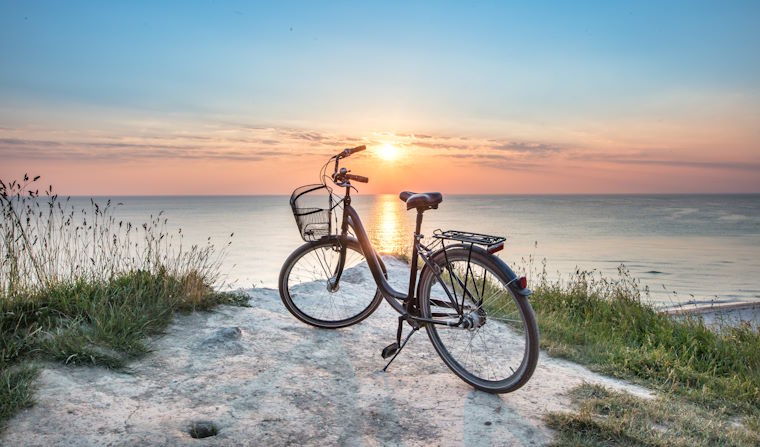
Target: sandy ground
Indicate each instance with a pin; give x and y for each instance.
(264, 378)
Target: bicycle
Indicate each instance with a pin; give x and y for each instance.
(472, 305)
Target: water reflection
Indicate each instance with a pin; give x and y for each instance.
(388, 225)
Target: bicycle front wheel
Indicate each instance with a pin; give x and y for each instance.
(306, 288)
(496, 350)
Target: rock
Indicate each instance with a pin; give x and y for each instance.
(224, 341)
(352, 276)
(223, 335)
(202, 429)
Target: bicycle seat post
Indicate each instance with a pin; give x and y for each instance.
(413, 261)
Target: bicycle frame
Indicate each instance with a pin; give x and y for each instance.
(410, 308)
(478, 287)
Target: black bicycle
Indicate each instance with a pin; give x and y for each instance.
(472, 305)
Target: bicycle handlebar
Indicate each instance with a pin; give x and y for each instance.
(358, 178)
(340, 177)
(347, 152)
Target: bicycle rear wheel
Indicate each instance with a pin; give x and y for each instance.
(305, 291)
(498, 352)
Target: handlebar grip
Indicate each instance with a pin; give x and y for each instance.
(351, 150)
(358, 178)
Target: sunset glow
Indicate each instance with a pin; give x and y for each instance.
(487, 98)
(387, 152)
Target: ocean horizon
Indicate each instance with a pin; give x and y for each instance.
(682, 247)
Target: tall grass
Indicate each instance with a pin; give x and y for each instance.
(707, 377)
(79, 286)
(47, 240)
(605, 323)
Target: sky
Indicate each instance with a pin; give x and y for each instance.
(225, 97)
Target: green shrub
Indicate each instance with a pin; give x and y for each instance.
(82, 288)
(605, 324)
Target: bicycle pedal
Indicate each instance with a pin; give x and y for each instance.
(389, 350)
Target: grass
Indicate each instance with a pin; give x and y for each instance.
(707, 379)
(608, 418)
(79, 287)
(16, 389)
(605, 324)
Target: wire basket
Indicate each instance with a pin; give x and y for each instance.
(313, 218)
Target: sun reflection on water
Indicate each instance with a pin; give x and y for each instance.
(388, 231)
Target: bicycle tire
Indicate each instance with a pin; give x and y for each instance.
(297, 302)
(503, 332)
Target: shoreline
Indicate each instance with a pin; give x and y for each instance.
(717, 315)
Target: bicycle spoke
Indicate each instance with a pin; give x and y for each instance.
(491, 346)
(487, 356)
(308, 291)
(321, 264)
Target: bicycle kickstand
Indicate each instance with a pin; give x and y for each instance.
(394, 349)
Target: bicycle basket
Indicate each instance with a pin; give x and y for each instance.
(312, 207)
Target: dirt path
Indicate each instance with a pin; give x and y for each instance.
(264, 378)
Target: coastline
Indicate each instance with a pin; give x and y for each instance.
(719, 314)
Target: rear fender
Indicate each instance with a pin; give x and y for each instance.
(501, 265)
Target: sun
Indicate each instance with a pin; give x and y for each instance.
(387, 152)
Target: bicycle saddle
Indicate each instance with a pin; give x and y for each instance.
(424, 200)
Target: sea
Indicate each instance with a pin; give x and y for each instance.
(679, 248)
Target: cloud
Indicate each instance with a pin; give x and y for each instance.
(528, 147)
(692, 164)
(649, 158)
(20, 149)
(305, 135)
(243, 142)
(504, 154)
(499, 161)
(444, 145)
(240, 144)
(10, 142)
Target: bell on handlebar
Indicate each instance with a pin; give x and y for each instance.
(339, 176)
(342, 177)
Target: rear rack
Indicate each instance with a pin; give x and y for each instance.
(471, 238)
